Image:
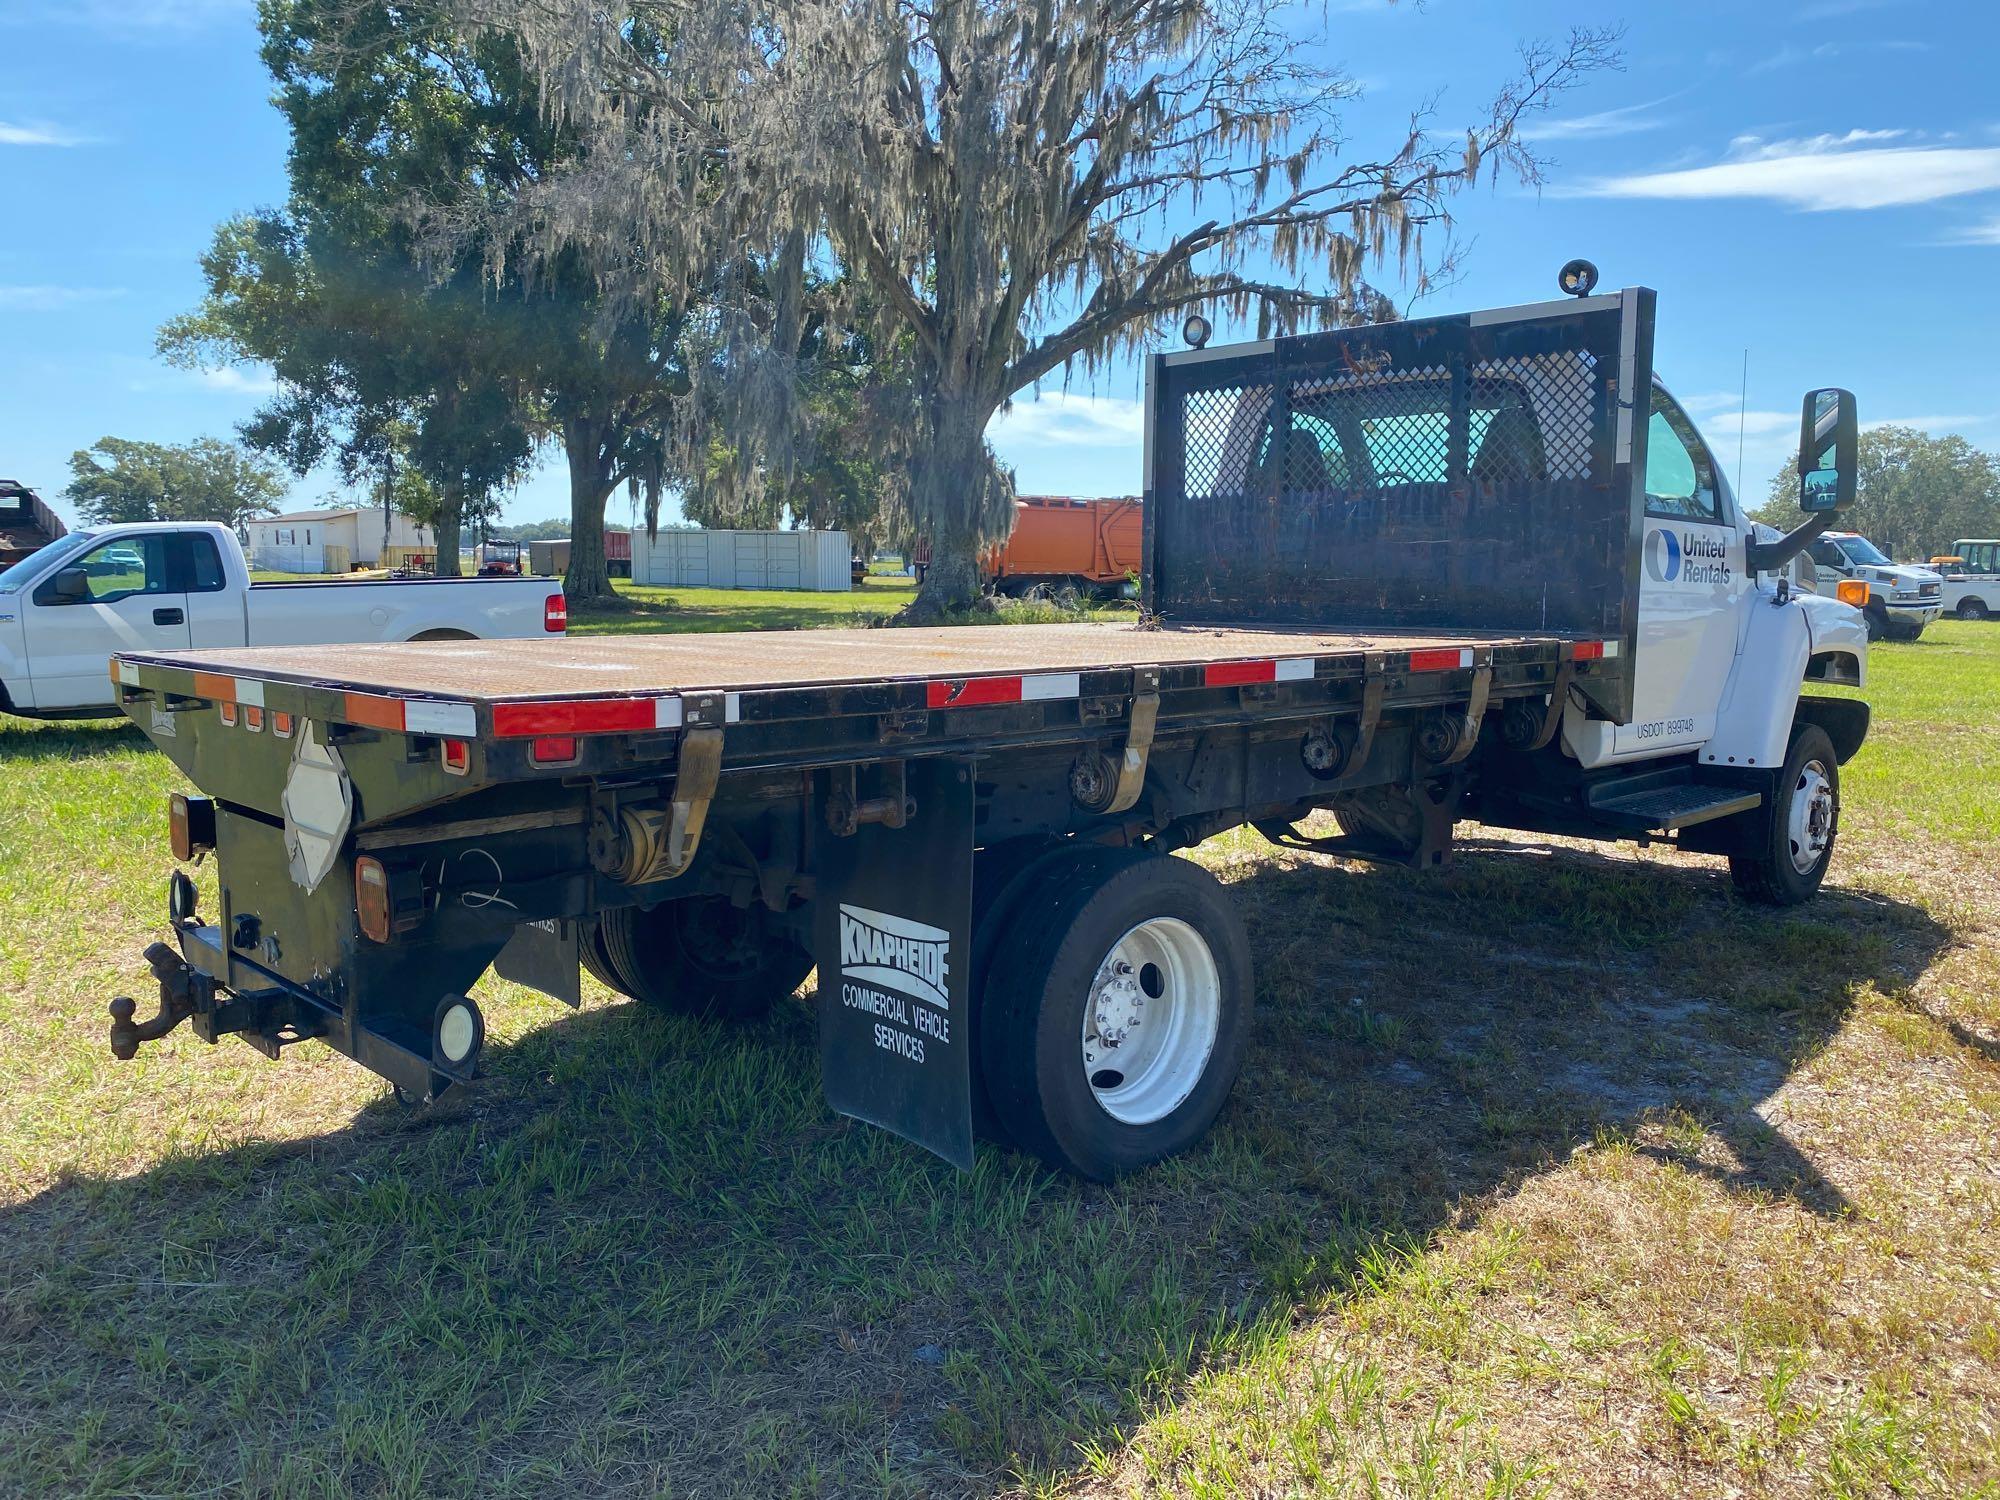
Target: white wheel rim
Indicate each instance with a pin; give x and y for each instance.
(1150, 1021)
(1810, 817)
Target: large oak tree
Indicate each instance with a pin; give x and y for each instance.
(1021, 185)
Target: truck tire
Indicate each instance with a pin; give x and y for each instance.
(1876, 618)
(1971, 609)
(1796, 840)
(1116, 1022)
(597, 959)
(704, 957)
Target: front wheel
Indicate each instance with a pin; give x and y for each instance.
(1115, 1024)
(1795, 845)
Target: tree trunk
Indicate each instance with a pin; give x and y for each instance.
(590, 485)
(451, 508)
(955, 493)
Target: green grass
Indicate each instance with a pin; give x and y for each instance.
(1559, 1172)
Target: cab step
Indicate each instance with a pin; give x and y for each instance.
(1668, 807)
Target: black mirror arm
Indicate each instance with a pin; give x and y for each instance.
(1768, 557)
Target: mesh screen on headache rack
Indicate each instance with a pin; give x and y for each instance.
(1451, 472)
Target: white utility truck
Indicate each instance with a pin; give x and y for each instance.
(162, 586)
(1475, 567)
(1972, 584)
(1902, 597)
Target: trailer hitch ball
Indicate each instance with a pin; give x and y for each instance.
(177, 1003)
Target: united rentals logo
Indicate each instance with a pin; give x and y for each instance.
(897, 953)
(1691, 557)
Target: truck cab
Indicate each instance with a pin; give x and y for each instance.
(1902, 598)
(1971, 579)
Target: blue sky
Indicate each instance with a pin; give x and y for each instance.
(1817, 181)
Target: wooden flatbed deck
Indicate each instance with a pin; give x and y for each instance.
(751, 660)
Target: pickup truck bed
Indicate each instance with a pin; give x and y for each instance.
(495, 671)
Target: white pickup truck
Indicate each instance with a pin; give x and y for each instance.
(177, 587)
(1972, 584)
(1902, 598)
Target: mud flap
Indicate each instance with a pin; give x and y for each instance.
(544, 956)
(894, 943)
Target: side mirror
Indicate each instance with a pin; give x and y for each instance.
(70, 586)
(1829, 439)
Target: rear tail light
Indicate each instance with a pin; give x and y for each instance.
(457, 756)
(190, 825)
(552, 749)
(1852, 591)
(555, 614)
(386, 902)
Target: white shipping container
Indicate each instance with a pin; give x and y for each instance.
(816, 561)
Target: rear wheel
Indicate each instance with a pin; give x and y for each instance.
(1115, 1023)
(1972, 609)
(1796, 840)
(597, 959)
(704, 957)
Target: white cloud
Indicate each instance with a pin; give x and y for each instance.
(1987, 233)
(1949, 423)
(39, 133)
(1627, 120)
(1821, 172)
(1063, 419)
(54, 298)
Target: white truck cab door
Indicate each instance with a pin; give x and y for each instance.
(131, 601)
(216, 611)
(1691, 580)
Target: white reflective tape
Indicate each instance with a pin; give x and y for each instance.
(732, 707)
(1465, 657)
(1051, 685)
(128, 674)
(425, 716)
(1610, 648)
(249, 690)
(1295, 669)
(666, 713)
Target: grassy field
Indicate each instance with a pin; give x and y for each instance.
(1556, 1173)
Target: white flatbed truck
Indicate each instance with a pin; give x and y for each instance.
(1469, 567)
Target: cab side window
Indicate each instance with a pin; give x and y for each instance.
(1680, 484)
(204, 564)
(1826, 555)
(118, 569)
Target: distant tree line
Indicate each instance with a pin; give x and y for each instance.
(1917, 494)
(789, 258)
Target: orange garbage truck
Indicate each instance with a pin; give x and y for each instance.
(1060, 541)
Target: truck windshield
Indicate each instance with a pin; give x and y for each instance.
(1861, 551)
(32, 565)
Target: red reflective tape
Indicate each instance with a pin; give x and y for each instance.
(1589, 651)
(215, 685)
(573, 716)
(1441, 659)
(1231, 673)
(972, 690)
(376, 713)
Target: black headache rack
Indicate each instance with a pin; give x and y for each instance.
(1482, 471)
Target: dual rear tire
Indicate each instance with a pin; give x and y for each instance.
(1111, 995)
(700, 957)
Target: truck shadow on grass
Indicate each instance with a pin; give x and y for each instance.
(643, 1256)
